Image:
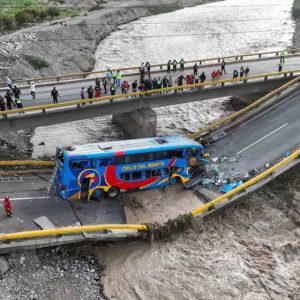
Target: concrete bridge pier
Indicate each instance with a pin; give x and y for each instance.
(139, 123)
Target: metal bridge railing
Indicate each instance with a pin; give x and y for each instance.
(157, 67)
(244, 110)
(216, 84)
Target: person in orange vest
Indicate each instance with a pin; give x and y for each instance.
(7, 206)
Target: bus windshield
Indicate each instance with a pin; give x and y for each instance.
(89, 171)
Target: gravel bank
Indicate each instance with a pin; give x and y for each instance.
(57, 273)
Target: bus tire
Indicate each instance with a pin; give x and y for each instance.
(97, 194)
(113, 192)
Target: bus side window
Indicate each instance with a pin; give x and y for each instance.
(137, 175)
(156, 173)
(166, 172)
(148, 174)
(177, 153)
(125, 176)
(103, 162)
(79, 164)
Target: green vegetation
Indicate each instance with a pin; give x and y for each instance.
(164, 8)
(16, 13)
(296, 9)
(36, 62)
(98, 5)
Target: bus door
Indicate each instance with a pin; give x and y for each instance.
(100, 165)
(77, 168)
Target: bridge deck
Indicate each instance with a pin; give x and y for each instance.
(263, 139)
(29, 205)
(70, 91)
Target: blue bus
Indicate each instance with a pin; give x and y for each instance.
(108, 168)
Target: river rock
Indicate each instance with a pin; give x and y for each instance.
(4, 266)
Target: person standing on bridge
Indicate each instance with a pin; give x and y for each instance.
(16, 92)
(54, 94)
(82, 93)
(197, 79)
(9, 83)
(235, 74)
(170, 82)
(104, 82)
(9, 99)
(19, 103)
(112, 90)
(90, 92)
(195, 68)
(180, 80)
(134, 87)
(97, 81)
(108, 76)
(282, 56)
(119, 78)
(114, 76)
(181, 63)
(174, 64)
(242, 71)
(32, 90)
(2, 103)
(247, 70)
(223, 65)
(148, 67)
(7, 206)
(280, 66)
(169, 66)
(97, 90)
(202, 77)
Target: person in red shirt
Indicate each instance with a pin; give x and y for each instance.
(97, 90)
(218, 75)
(7, 206)
(213, 76)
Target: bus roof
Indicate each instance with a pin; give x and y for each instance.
(134, 146)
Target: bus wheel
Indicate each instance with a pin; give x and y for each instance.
(113, 192)
(97, 194)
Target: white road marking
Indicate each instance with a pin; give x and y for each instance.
(30, 198)
(267, 110)
(264, 137)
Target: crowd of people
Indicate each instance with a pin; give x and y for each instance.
(113, 80)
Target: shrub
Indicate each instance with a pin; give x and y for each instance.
(36, 62)
(53, 12)
(6, 23)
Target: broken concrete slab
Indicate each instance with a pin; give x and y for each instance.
(44, 223)
(4, 266)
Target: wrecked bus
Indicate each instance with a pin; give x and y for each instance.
(108, 168)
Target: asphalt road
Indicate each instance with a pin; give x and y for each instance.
(71, 91)
(30, 201)
(264, 139)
